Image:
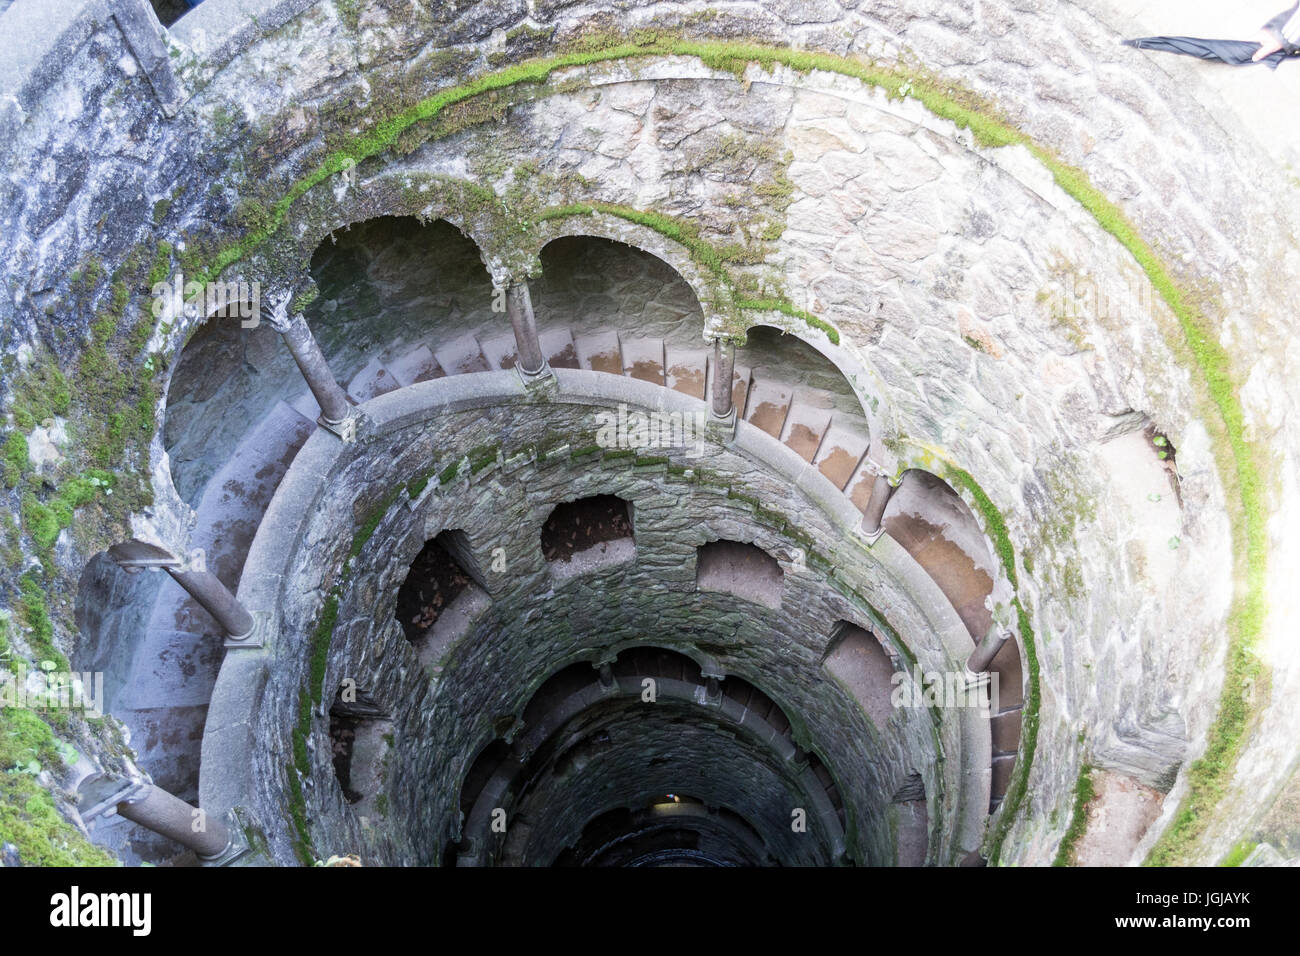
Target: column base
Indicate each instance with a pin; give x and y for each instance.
(256, 636)
(237, 847)
(873, 536)
(722, 428)
(346, 430)
(540, 380)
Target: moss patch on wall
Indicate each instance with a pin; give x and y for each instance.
(28, 817)
(1083, 794)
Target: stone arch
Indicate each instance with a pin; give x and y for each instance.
(862, 664)
(797, 394)
(400, 300)
(643, 239)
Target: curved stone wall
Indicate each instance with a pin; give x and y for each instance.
(536, 623)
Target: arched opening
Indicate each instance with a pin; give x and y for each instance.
(610, 307)
(589, 533)
(361, 739)
(440, 597)
(401, 301)
(861, 663)
(911, 822)
(745, 570)
(227, 414)
(785, 387)
(930, 520)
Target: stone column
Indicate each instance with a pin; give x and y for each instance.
(333, 401)
(519, 306)
(159, 811)
(724, 365)
(987, 649)
(881, 492)
(207, 589)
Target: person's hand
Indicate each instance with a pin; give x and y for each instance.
(1268, 45)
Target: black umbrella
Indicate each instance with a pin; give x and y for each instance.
(1235, 52)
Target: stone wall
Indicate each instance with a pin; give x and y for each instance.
(939, 261)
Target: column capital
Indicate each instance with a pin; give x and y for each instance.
(273, 309)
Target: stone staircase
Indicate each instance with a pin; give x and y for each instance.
(166, 699)
(166, 694)
(802, 418)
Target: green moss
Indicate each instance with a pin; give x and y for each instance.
(252, 215)
(15, 458)
(1083, 794)
(28, 817)
(41, 392)
(368, 527)
(320, 649)
(160, 210)
(161, 264)
(349, 12)
(304, 299)
(34, 612)
(1238, 854)
(481, 457)
(778, 305)
(297, 808)
(44, 520)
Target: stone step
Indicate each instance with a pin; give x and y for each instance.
(840, 454)
(306, 406)
(461, 355)
(233, 502)
(557, 346)
(373, 380)
(417, 365)
(500, 351)
(687, 371)
(643, 358)
(806, 422)
(769, 403)
(928, 521)
(859, 485)
(600, 352)
(166, 743)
